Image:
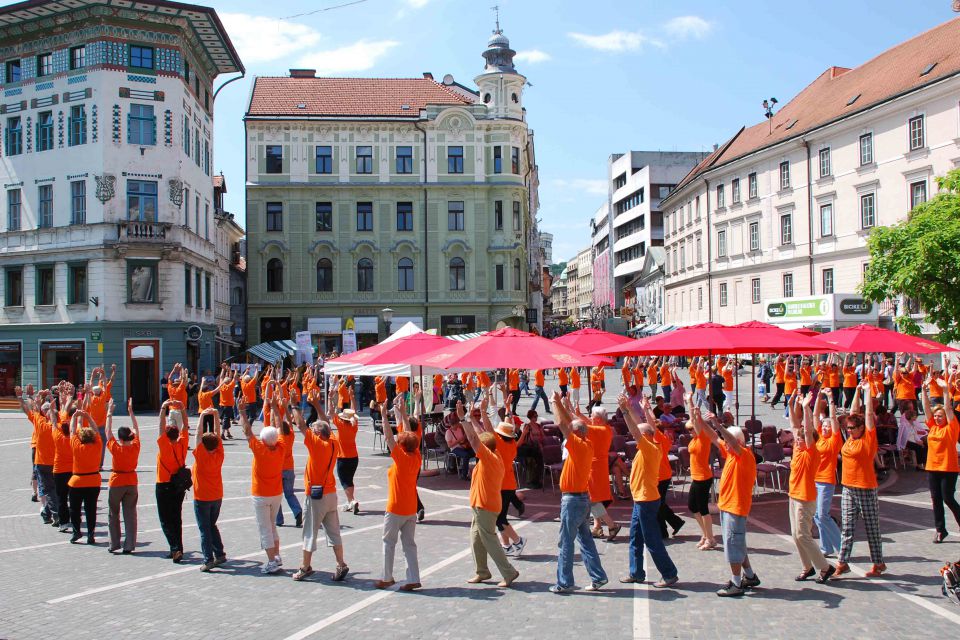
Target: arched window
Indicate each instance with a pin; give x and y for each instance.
(405, 274)
(365, 275)
(458, 274)
(516, 274)
(324, 275)
(274, 275)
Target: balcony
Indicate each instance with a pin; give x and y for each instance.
(135, 230)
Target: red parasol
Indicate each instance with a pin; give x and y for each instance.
(392, 352)
(589, 340)
(865, 338)
(806, 332)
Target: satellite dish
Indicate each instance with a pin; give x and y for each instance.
(448, 79)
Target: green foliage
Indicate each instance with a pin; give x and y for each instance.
(920, 258)
(557, 269)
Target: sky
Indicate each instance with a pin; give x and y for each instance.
(607, 76)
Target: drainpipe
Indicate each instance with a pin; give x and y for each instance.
(806, 145)
(709, 239)
(525, 235)
(426, 244)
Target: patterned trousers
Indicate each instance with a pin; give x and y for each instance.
(856, 504)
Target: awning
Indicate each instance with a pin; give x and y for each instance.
(460, 337)
(273, 351)
(663, 328)
(637, 329)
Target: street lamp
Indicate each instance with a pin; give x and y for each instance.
(387, 315)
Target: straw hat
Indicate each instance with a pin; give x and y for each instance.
(506, 429)
(347, 414)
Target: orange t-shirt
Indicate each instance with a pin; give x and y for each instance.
(507, 450)
(562, 377)
(646, 468)
(402, 481)
(513, 379)
(46, 449)
(249, 390)
(737, 480)
(123, 470)
(942, 446)
(178, 391)
(936, 391)
(226, 392)
(205, 399)
(437, 381)
(538, 378)
(806, 376)
(483, 380)
(287, 442)
(803, 469)
(207, 475)
(638, 374)
(858, 457)
(828, 448)
(267, 471)
(903, 384)
(727, 379)
(347, 435)
(575, 476)
(789, 384)
(380, 389)
(171, 455)
(575, 378)
(849, 377)
(86, 462)
(320, 463)
(487, 478)
(701, 379)
(403, 384)
(63, 453)
(779, 371)
(665, 377)
(833, 376)
(652, 371)
(343, 394)
(627, 375)
(664, 442)
(600, 438)
(98, 408)
(699, 449)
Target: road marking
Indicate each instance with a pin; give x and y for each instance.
(641, 612)
(377, 597)
(445, 494)
(19, 443)
(20, 440)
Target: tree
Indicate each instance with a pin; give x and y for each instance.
(920, 258)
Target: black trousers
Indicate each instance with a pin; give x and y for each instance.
(943, 487)
(63, 493)
(170, 510)
(85, 499)
(778, 394)
(920, 451)
(665, 514)
(848, 393)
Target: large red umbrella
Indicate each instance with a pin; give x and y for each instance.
(588, 340)
(865, 338)
(806, 332)
(503, 349)
(392, 352)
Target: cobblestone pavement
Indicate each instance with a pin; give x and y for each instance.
(51, 588)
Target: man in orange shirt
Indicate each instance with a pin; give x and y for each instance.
(227, 385)
(575, 502)
(828, 448)
(248, 389)
(653, 372)
(904, 391)
(101, 387)
(538, 392)
(267, 486)
(44, 453)
(563, 381)
(207, 476)
(626, 372)
(123, 493)
(849, 373)
(513, 388)
(779, 374)
(734, 501)
(575, 386)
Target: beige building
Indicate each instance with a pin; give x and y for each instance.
(582, 304)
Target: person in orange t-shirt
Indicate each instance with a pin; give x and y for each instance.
(63, 459)
(227, 384)
(42, 414)
(575, 502)
(289, 475)
(85, 481)
(904, 391)
(653, 376)
(849, 373)
(172, 443)
(563, 381)
(207, 475)
(348, 458)
(539, 382)
(267, 485)
(779, 374)
(380, 389)
(666, 380)
(626, 372)
(828, 447)
(575, 386)
(485, 502)
(248, 389)
(942, 465)
(125, 453)
(600, 436)
(701, 476)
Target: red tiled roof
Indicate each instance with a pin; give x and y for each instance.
(830, 96)
(274, 96)
(219, 182)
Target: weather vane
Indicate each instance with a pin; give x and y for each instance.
(496, 9)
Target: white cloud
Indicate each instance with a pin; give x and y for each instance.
(683, 27)
(532, 56)
(587, 185)
(264, 39)
(418, 4)
(614, 41)
(359, 56)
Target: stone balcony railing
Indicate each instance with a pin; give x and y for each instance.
(142, 231)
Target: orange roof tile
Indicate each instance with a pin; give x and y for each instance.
(339, 97)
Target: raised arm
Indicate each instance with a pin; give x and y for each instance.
(133, 419)
(485, 416)
(471, 427)
(563, 416)
(869, 414)
(632, 420)
(808, 429)
(385, 416)
(925, 395)
(109, 429)
(244, 421)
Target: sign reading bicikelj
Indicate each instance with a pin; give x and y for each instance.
(829, 308)
(800, 308)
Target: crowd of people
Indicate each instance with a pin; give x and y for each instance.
(72, 430)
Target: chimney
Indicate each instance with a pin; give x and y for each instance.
(428, 75)
(303, 73)
(715, 146)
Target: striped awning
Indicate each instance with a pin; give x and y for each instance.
(466, 336)
(274, 351)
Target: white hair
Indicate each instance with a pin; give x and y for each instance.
(269, 436)
(737, 433)
(176, 417)
(599, 413)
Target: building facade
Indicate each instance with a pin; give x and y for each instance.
(648, 286)
(107, 246)
(229, 293)
(784, 208)
(584, 291)
(412, 194)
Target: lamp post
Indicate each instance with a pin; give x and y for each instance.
(387, 315)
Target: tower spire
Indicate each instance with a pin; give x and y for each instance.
(496, 10)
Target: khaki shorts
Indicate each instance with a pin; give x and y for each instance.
(321, 512)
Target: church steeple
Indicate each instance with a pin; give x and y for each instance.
(501, 86)
(499, 55)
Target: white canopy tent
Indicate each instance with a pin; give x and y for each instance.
(352, 369)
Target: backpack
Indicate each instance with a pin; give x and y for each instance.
(951, 581)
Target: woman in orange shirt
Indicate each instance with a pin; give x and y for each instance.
(942, 466)
(172, 442)
(227, 385)
(849, 382)
(701, 477)
(574, 386)
(208, 493)
(348, 458)
(85, 481)
(125, 452)
(288, 438)
(779, 371)
(63, 457)
(828, 446)
(266, 485)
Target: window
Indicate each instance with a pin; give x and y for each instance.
(516, 274)
(699, 297)
(754, 231)
(364, 216)
(788, 285)
(454, 159)
(45, 206)
(404, 216)
(458, 274)
(826, 220)
(186, 208)
(735, 190)
(14, 288)
(13, 209)
(917, 136)
(868, 211)
(404, 159)
(720, 196)
(918, 193)
(196, 289)
(721, 245)
(186, 136)
(274, 158)
(78, 202)
(515, 160)
(663, 191)
(498, 277)
(78, 57)
(236, 296)
(206, 157)
(78, 126)
(498, 159)
(324, 160)
(785, 174)
(755, 290)
(187, 286)
(141, 57)
(365, 275)
(786, 229)
(206, 291)
(142, 125)
(825, 168)
(206, 221)
(274, 216)
(696, 207)
(827, 281)
(364, 159)
(866, 149)
(13, 137)
(324, 216)
(324, 275)
(142, 283)
(76, 284)
(498, 215)
(196, 147)
(186, 72)
(455, 216)
(723, 294)
(274, 275)
(45, 131)
(517, 226)
(405, 274)
(699, 250)
(44, 293)
(14, 72)
(44, 64)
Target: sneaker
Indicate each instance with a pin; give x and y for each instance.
(56, 521)
(731, 590)
(346, 506)
(596, 585)
(750, 583)
(663, 583)
(411, 586)
(278, 560)
(65, 528)
(303, 573)
(629, 579)
(420, 515)
(561, 590)
(341, 573)
(269, 567)
(509, 549)
(46, 517)
(520, 545)
(75, 538)
(299, 522)
(207, 566)
(219, 560)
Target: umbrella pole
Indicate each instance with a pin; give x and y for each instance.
(753, 386)
(736, 387)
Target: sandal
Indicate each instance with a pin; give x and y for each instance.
(613, 532)
(806, 574)
(303, 573)
(597, 533)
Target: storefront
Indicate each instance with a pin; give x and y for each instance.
(367, 329)
(826, 313)
(454, 325)
(325, 333)
(62, 361)
(143, 373)
(11, 364)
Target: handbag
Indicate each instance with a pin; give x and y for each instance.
(181, 479)
(316, 491)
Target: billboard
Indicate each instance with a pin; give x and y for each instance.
(603, 293)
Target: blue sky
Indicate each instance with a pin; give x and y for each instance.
(607, 75)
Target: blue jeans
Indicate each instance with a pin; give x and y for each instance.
(207, 512)
(539, 393)
(288, 477)
(464, 463)
(829, 531)
(667, 390)
(574, 524)
(645, 530)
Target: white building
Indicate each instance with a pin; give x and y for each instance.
(784, 208)
(107, 245)
(584, 290)
(229, 235)
(546, 245)
(648, 289)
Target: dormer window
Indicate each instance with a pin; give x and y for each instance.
(514, 97)
(486, 98)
